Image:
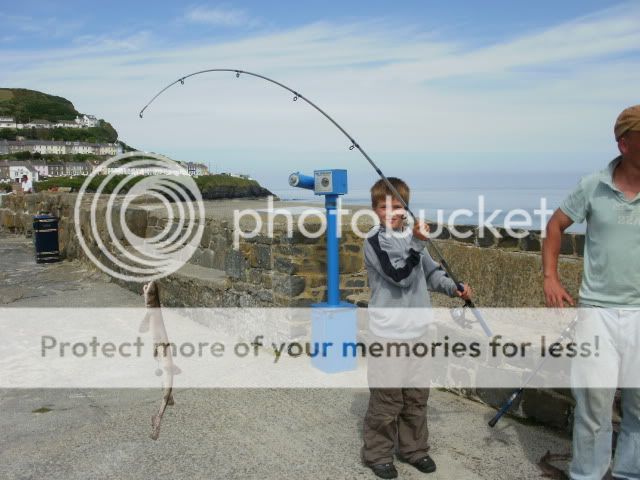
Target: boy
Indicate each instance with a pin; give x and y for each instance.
(400, 272)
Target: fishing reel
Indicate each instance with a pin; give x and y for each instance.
(458, 314)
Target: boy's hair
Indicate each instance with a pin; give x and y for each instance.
(381, 190)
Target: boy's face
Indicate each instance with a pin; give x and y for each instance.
(390, 212)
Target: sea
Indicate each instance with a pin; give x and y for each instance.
(515, 199)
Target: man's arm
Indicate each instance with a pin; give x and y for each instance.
(554, 292)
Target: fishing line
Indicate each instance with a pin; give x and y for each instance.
(354, 145)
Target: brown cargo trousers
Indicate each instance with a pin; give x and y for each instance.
(397, 414)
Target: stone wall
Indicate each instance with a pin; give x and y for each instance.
(283, 271)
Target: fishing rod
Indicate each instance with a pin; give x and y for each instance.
(508, 403)
(354, 145)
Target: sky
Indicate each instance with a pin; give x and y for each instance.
(431, 90)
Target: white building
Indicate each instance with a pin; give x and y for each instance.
(240, 175)
(87, 121)
(44, 147)
(7, 122)
(77, 168)
(66, 124)
(143, 171)
(18, 169)
(196, 169)
(38, 124)
(79, 147)
(56, 170)
(60, 148)
(41, 168)
(106, 149)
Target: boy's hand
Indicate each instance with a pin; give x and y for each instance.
(466, 293)
(421, 230)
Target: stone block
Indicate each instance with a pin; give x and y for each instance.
(579, 241)
(496, 396)
(484, 237)
(136, 220)
(285, 264)
(439, 232)
(289, 285)
(547, 407)
(235, 265)
(207, 259)
(355, 282)
(530, 243)
(262, 255)
(566, 244)
(351, 263)
(506, 240)
(352, 248)
(463, 233)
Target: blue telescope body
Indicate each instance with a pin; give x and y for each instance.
(332, 321)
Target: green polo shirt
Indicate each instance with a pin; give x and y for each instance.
(611, 275)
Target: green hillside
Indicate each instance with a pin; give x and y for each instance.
(27, 105)
(211, 187)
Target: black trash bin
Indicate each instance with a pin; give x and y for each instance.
(45, 236)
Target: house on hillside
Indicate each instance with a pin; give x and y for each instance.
(7, 122)
(79, 147)
(42, 168)
(105, 149)
(4, 171)
(14, 170)
(47, 146)
(66, 124)
(88, 121)
(38, 124)
(77, 168)
(54, 147)
(56, 169)
(196, 169)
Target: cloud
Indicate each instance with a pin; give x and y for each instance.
(120, 42)
(614, 31)
(218, 16)
(42, 27)
(399, 92)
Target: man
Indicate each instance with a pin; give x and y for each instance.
(27, 185)
(609, 201)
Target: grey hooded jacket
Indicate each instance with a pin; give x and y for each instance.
(401, 272)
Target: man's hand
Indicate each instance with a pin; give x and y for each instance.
(466, 293)
(555, 294)
(421, 230)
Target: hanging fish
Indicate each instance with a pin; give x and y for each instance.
(161, 351)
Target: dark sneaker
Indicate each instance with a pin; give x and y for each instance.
(425, 464)
(384, 470)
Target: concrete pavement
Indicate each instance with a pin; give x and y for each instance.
(223, 433)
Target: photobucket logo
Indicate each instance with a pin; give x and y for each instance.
(130, 255)
(515, 224)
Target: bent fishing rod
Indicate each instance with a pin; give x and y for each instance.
(354, 145)
(510, 400)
